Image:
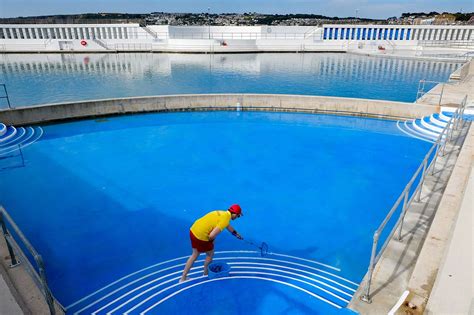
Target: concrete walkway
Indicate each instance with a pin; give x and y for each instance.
(8, 304)
(453, 292)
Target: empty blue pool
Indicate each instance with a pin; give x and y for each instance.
(109, 202)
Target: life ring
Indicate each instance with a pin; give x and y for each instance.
(83, 43)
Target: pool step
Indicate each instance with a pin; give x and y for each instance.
(13, 139)
(427, 128)
(146, 289)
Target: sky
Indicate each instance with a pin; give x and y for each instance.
(341, 8)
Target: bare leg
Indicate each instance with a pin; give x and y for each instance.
(208, 260)
(189, 264)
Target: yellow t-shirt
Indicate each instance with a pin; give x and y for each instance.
(203, 227)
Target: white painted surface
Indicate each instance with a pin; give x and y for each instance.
(453, 292)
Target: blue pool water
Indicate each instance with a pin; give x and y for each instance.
(49, 78)
(103, 199)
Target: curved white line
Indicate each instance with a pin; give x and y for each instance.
(136, 272)
(156, 286)
(219, 258)
(240, 277)
(308, 260)
(20, 132)
(223, 258)
(3, 129)
(299, 270)
(28, 144)
(135, 289)
(9, 136)
(306, 277)
(292, 263)
(28, 137)
(135, 281)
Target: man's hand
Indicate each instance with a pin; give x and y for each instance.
(236, 234)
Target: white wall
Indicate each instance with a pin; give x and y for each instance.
(122, 37)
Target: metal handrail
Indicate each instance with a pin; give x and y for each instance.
(421, 89)
(5, 217)
(425, 166)
(6, 95)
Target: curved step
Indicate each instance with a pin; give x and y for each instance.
(403, 128)
(419, 127)
(436, 121)
(411, 128)
(11, 132)
(3, 129)
(425, 121)
(442, 116)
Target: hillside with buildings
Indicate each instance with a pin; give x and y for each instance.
(242, 19)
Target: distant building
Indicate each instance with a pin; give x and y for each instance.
(444, 19)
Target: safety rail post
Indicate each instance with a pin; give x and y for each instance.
(422, 180)
(14, 261)
(433, 163)
(366, 297)
(441, 94)
(38, 259)
(402, 215)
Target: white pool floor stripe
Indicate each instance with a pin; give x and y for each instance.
(199, 261)
(134, 273)
(20, 132)
(308, 260)
(305, 277)
(26, 145)
(28, 137)
(240, 264)
(3, 139)
(138, 280)
(237, 277)
(291, 263)
(138, 288)
(183, 257)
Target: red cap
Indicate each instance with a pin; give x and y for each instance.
(235, 209)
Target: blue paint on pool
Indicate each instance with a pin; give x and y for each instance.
(50, 78)
(103, 199)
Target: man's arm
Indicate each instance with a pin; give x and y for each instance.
(214, 233)
(234, 232)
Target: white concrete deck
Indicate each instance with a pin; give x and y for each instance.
(453, 292)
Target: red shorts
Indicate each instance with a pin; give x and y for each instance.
(201, 246)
